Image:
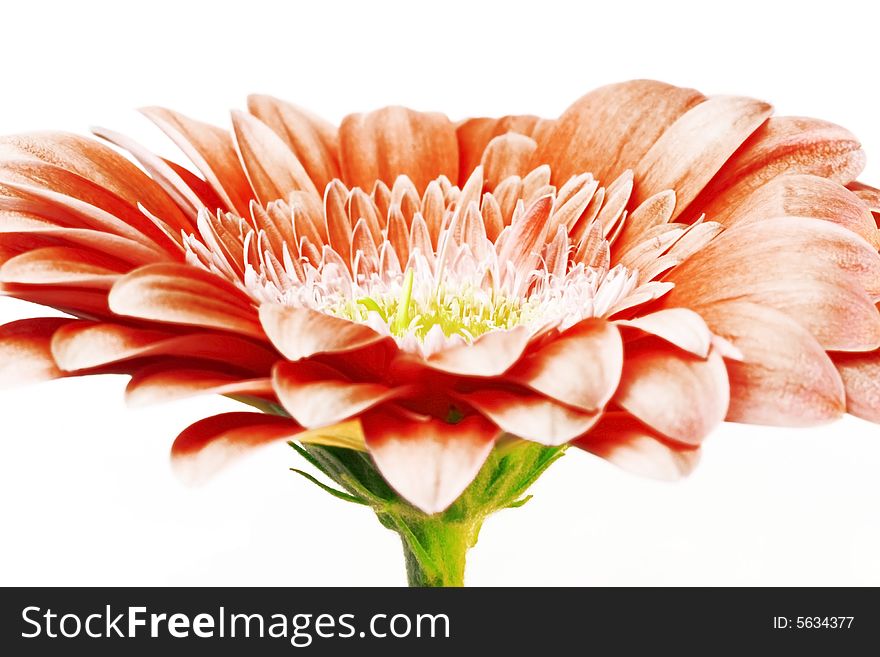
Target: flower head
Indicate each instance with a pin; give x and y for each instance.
(623, 278)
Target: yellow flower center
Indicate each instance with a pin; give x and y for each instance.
(468, 312)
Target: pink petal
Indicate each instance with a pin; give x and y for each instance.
(861, 379)
(491, 354)
(399, 233)
(181, 294)
(427, 461)
(784, 378)
(397, 141)
(338, 225)
(531, 416)
(209, 445)
(679, 326)
(581, 367)
(433, 211)
(314, 141)
(693, 149)
(678, 395)
(813, 270)
(212, 150)
(301, 332)
(782, 145)
(628, 444)
(84, 345)
(556, 254)
(162, 383)
(25, 354)
(272, 169)
(317, 395)
(611, 128)
(809, 196)
(527, 236)
(364, 256)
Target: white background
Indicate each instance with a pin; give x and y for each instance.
(86, 493)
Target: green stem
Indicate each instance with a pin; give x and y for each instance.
(435, 546)
(435, 550)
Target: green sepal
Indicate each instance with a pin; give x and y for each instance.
(435, 545)
(335, 493)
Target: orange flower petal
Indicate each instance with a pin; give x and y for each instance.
(507, 155)
(812, 270)
(84, 345)
(212, 150)
(650, 213)
(679, 326)
(168, 382)
(81, 302)
(531, 416)
(491, 354)
(397, 141)
(61, 265)
(427, 461)
(475, 134)
(610, 129)
(94, 162)
(300, 332)
(797, 195)
(861, 379)
(785, 377)
(14, 244)
(782, 145)
(527, 236)
(209, 445)
(317, 395)
(181, 294)
(678, 395)
(338, 226)
(272, 168)
(869, 195)
(628, 444)
(120, 247)
(25, 354)
(160, 170)
(70, 200)
(692, 150)
(314, 141)
(202, 189)
(581, 367)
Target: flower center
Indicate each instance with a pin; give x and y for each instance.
(468, 311)
(423, 312)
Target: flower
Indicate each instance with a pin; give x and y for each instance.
(622, 278)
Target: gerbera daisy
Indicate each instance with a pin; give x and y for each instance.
(433, 311)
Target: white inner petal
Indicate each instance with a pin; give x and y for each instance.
(455, 303)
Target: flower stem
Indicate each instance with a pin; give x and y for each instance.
(434, 552)
(435, 546)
